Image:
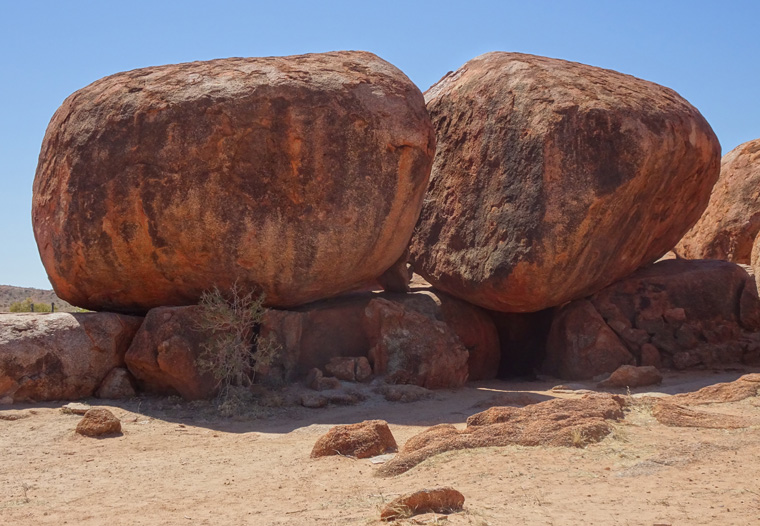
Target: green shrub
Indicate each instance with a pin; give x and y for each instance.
(235, 353)
(26, 306)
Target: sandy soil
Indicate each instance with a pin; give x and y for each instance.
(180, 463)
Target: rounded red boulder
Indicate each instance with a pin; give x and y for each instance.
(298, 176)
(554, 179)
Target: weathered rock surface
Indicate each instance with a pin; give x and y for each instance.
(312, 335)
(410, 348)
(557, 422)
(744, 387)
(300, 176)
(437, 500)
(60, 356)
(731, 221)
(581, 345)
(754, 268)
(117, 385)
(164, 354)
(554, 179)
(632, 376)
(674, 415)
(363, 440)
(683, 313)
(99, 422)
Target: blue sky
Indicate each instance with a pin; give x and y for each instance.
(707, 51)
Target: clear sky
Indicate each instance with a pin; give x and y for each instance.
(708, 51)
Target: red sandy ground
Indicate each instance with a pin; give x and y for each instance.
(180, 463)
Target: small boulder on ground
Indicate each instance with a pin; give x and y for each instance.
(438, 500)
(632, 376)
(313, 400)
(319, 382)
(99, 422)
(363, 440)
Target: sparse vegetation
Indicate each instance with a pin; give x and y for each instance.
(28, 305)
(10, 295)
(235, 354)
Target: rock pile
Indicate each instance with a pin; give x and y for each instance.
(303, 177)
(676, 313)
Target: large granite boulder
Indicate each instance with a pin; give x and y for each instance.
(165, 355)
(731, 221)
(554, 179)
(675, 313)
(298, 176)
(60, 356)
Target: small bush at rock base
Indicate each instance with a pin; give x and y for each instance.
(235, 353)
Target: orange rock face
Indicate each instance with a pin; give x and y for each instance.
(301, 176)
(731, 221)
(554, 179)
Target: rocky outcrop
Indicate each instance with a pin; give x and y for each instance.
(385, 324)
(298, 176)
(60, 356)
(674, 415)
(557, 422)
(681, 313)
(164, 354)
(746, 386)
(731, 221)
(554, 179)
(363, 440)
